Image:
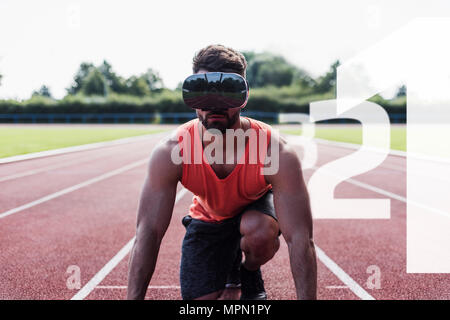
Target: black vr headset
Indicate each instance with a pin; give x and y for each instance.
(215, 90)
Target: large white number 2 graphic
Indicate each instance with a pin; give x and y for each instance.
(417, 55)
(375, 146)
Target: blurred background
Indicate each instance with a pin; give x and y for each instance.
(124, 61)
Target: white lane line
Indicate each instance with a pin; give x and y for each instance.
(366, 186)
(382, 165)
(343, 276)
(73, 188)
(348, 145)
(392, 152)
(49, 168)
(376, 189)
(98, 278)
(150, 287)
(292, 139)
(111, 264)
(400, 168)
(83, 147)
(391, 195)
(344, 145)
(88, 287)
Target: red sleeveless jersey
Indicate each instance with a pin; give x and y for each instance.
(217, 199)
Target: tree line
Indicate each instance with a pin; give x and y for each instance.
(276, 86)
(264, 69)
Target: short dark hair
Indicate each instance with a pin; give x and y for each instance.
(218, 58)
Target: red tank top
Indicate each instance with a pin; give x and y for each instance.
(217, 199)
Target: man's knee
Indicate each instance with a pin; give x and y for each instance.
(259, 234)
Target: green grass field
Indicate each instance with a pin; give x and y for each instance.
(354, 135)
(22, 140)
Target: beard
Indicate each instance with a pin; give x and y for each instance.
(221, 125)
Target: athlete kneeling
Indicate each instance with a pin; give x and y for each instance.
(240, 203)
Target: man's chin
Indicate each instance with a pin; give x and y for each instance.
(213, 127)
(213, 124)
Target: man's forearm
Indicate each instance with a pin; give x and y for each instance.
(304, 269)
(141, 267)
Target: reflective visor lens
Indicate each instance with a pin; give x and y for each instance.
(215, 90)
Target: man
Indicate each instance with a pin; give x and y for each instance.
(236, 206)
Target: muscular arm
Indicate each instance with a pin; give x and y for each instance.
(293, 211)
(153, 217)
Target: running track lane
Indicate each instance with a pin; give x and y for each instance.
(40, 177)
(39, 243)
(82, 228)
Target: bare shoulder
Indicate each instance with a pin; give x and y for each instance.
(161, 159)
(287, 157)
(285, 150)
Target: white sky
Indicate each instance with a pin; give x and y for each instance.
(44, 42)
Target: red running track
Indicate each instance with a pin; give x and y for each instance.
(88, 225)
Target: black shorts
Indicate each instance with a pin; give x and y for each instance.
(210, 250)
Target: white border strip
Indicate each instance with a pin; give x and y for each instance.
(344, 277)
(93, 283)
(83, 147)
